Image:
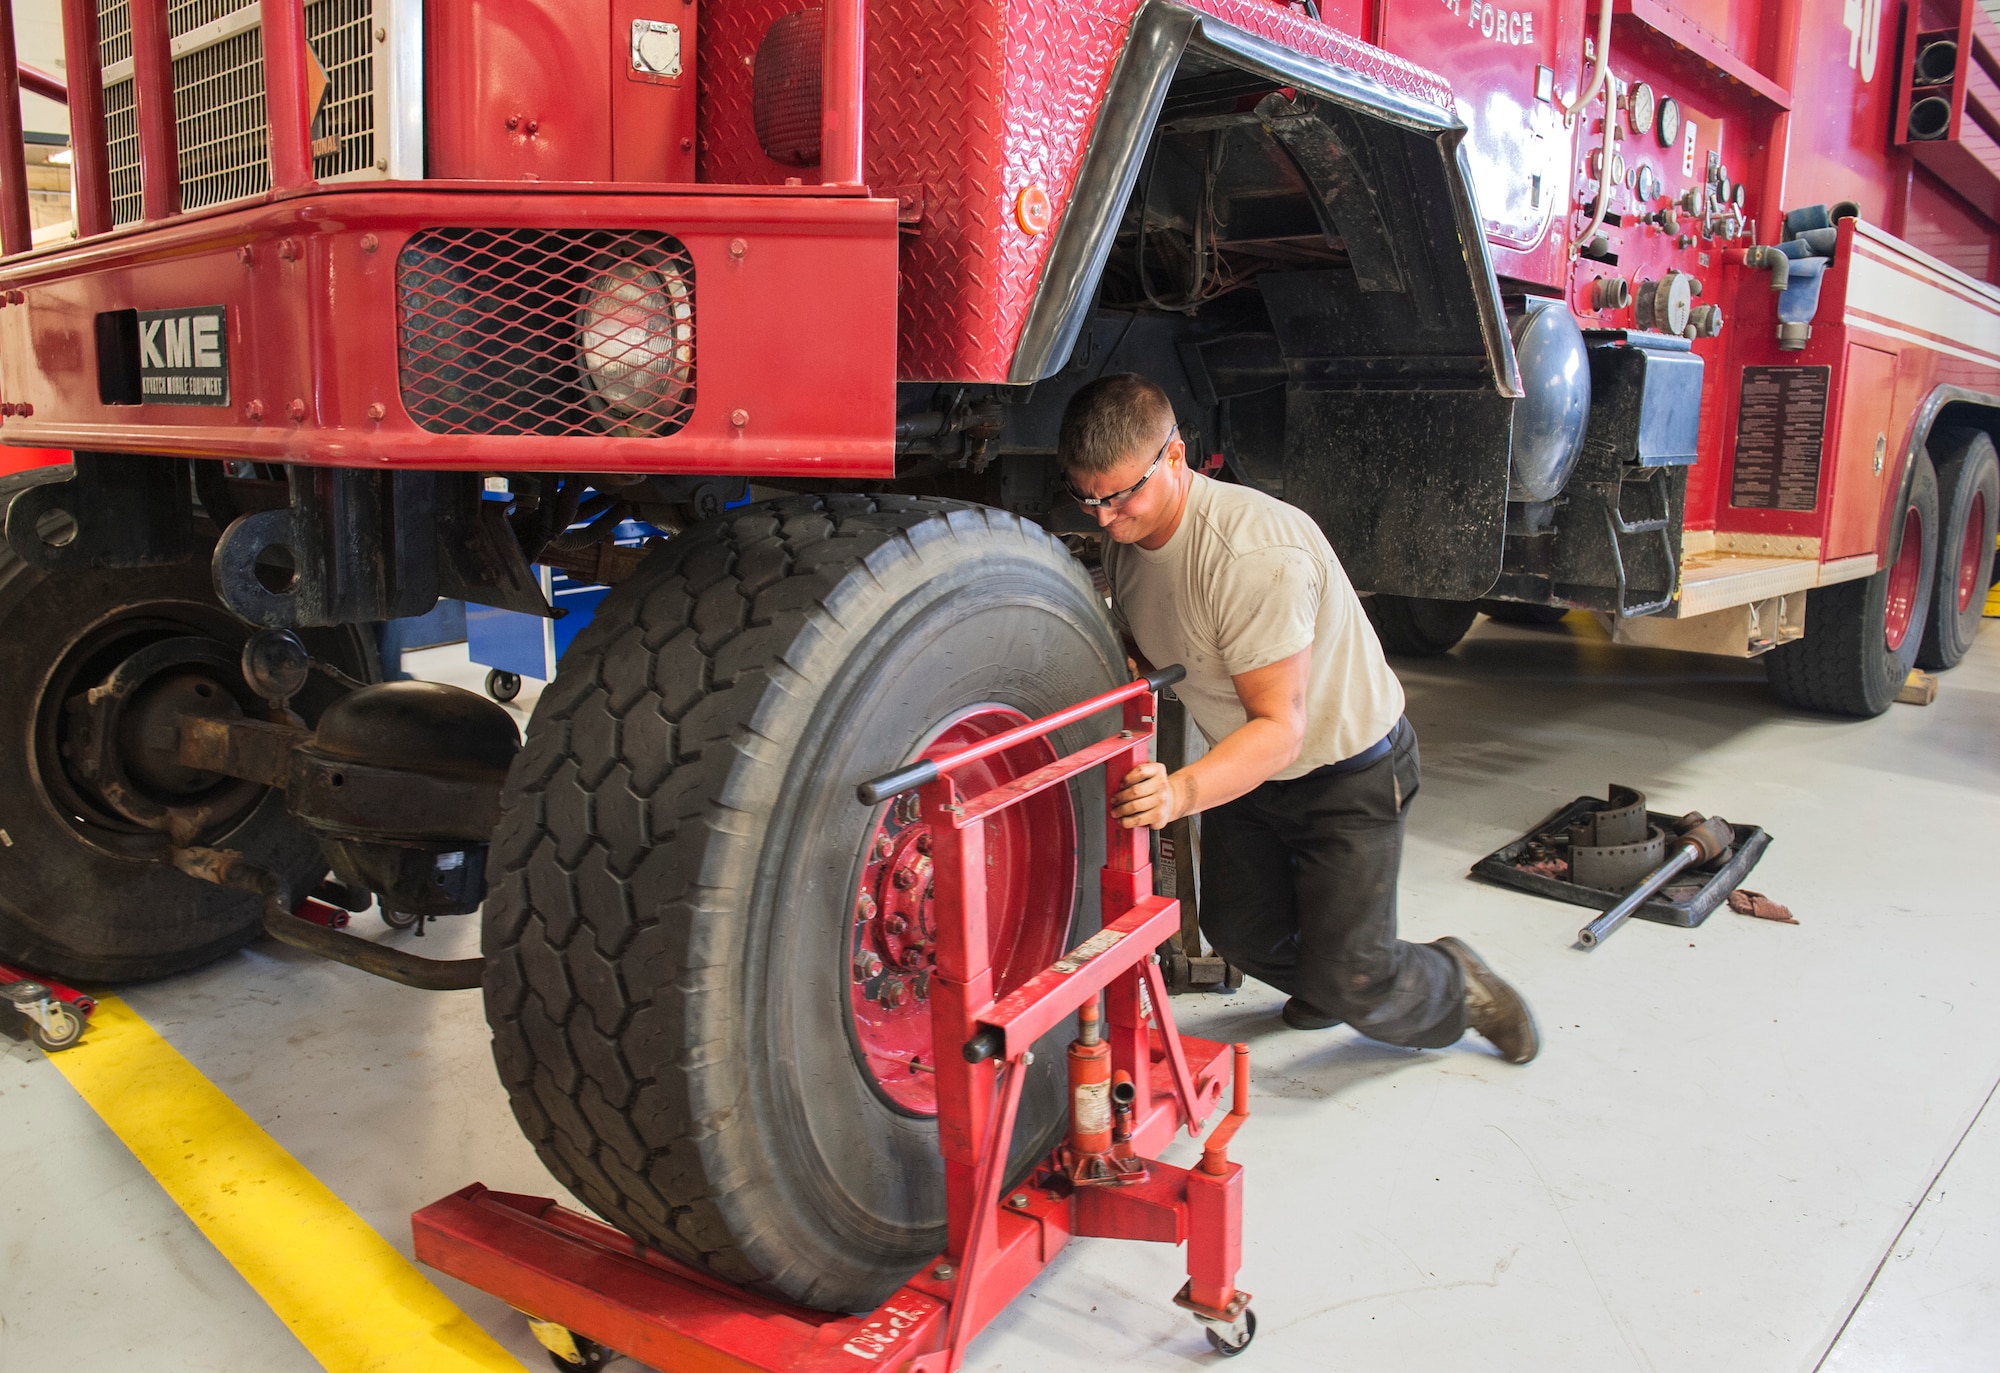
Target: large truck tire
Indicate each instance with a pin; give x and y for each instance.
(1968, 477)
(1522, 613)
(1862, 636)
(85, 893)
(1416, 627)
(694, 925)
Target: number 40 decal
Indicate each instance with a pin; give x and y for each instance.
(1863, 21)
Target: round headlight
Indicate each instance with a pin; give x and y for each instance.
(636, 336)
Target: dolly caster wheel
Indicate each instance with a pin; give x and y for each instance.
(1235, 1339)
(65, 1028)
(399, 920)
(503, 686)
(569, 1351)
(589, 1356)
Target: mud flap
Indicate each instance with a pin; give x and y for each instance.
(1409, 485)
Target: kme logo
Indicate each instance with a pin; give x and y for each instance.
(184, 356)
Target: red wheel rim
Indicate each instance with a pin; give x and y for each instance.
(1971, 549)
(1030, 884)
(1903, 580)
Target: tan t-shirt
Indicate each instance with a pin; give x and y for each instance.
(1247, 581)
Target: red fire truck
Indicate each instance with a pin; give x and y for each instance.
(1676, 311)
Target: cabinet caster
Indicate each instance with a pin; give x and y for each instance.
(503, 686)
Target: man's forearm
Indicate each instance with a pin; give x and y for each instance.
(1240, 762)
(1267, 743)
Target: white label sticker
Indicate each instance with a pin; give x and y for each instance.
(1093, 1108)
(1087, 950)
(1687, 147)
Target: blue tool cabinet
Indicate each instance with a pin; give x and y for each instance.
(529, 645)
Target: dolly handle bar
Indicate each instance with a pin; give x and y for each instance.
(879, 789)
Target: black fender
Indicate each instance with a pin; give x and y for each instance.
(1944, 406)
(1164, 33)
(1400, 371)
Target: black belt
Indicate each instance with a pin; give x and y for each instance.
(1374, 753)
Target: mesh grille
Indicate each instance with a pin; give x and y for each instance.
(121, 146)
(114, 31)
(344, 132)
(183, 15)
(219, 114)
(547, 331)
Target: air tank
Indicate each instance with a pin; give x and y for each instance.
(1550, 416)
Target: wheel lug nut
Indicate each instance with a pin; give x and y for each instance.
(895, 924)
(893, 993)
(905, 878)
(913, 957)
(867, 964)
(865, 907)
(923, 843)
(883, 848)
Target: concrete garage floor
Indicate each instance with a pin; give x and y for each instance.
(1749, 1146)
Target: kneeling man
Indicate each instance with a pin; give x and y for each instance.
(1311, 765)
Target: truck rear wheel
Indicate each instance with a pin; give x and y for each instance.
(1969, 507)
(1416, 627)
(1862, 636)
(1522, 613)
(708, 964)
(86, 891)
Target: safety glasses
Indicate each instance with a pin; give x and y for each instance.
(1120, 497)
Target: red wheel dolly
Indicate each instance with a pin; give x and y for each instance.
(1134, 1079)
(56, 1012)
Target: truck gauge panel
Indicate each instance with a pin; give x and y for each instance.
(1670, 122)
(1640, 109)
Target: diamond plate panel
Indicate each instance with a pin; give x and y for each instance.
(970, 101)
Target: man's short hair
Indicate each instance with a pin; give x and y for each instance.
(1109, 420)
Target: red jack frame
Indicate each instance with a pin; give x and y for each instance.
(585, 1277)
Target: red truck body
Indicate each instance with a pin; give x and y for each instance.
(1679, 312)
(977, 120)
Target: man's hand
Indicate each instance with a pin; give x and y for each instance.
(1150, 797)
(1267, 742)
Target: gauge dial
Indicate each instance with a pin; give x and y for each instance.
(1639, 109)
(1670, 122)
(1646, 184)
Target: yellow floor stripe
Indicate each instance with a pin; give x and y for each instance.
(355, 1303)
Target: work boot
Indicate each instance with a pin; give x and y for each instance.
(1493, 1007)
(1301, 1015)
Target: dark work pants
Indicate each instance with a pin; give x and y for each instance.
(1298, 889)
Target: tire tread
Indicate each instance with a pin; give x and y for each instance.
(1842, 666)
